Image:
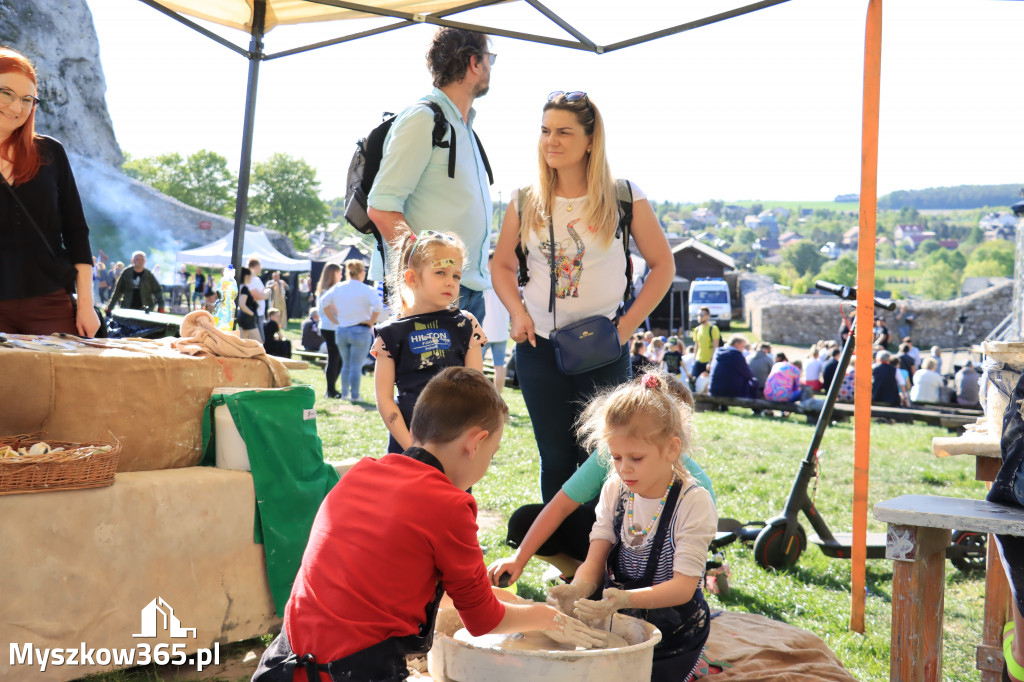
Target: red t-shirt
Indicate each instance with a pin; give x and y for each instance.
(387, 532)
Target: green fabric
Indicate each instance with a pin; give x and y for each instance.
(585, 484)
(288, 471)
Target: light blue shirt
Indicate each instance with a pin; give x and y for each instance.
(354, 301)
(413, 180)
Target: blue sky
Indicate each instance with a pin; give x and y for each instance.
(765, 106)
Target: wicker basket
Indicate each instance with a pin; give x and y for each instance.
(75, 467)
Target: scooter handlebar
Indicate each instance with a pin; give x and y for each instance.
(850, 294)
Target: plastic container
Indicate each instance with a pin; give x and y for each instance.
(230, 449)
(451, 660)
(1004, 363)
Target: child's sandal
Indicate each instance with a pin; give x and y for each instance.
(1010, 665)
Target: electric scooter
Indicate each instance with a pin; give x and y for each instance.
(782, 540)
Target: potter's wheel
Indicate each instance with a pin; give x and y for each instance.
(528, 641)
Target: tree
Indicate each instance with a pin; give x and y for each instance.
(954, 259)
(927, 246)
(938, 282)
(843, 271)
(202, 180)
(997, 255)
(803, 256)
(285, 196)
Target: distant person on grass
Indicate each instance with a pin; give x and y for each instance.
(707, 338)
(405, 520)
(885, 388)
(730, 374)
(761, 363)
(137, 287)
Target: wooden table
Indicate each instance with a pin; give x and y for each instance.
(998, 605)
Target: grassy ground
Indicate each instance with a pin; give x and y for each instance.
(752, 461)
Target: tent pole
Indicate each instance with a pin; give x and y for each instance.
(865, 309)
(259, 11)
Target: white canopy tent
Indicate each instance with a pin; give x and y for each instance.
(255, 245)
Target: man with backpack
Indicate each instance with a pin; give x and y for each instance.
(422, 184)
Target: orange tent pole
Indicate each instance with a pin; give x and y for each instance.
(865, 308)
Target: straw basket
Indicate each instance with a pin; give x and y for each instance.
(77, 466)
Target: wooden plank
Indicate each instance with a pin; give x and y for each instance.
(933, 511)
(918, 597)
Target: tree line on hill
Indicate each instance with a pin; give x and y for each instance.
(959, 197)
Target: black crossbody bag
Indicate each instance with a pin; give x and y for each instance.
(582, 346)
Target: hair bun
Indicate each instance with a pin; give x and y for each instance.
(650, 381)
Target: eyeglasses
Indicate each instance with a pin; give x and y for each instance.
(491, 57)
(574, 96)
(7, 98)
(427, 235)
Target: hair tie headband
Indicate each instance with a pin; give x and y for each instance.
(650, 381)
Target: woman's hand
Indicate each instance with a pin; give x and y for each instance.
(522, 328)
(509, 566)
(567, 630)
(87, 321)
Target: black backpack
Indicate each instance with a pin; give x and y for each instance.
(624, 196)
(365, 164)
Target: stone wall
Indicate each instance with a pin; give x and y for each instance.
(802, 320)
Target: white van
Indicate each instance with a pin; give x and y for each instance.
(711, 293)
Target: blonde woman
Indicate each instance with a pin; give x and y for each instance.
(575, 195)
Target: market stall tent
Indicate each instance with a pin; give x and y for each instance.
(255, 245)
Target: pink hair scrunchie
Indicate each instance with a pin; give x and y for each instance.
(650, 381)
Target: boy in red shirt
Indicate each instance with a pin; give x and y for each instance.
(391, 537)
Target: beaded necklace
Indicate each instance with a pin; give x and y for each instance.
(644, 532)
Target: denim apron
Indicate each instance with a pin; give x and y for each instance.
(684, 628)
(382, 662)
(1008, 488)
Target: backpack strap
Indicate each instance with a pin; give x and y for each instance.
(624, 195)
(441, 126)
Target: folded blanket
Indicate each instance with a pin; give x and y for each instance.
(200, 334)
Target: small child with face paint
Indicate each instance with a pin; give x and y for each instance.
(428, 334)
(649, 545)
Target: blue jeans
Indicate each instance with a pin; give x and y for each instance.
(554, 401)
(353, 344)
(472, 301)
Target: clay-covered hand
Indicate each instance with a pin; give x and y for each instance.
(591, 611)
(567, 630)
(562, 597)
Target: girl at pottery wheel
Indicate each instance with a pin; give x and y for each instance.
(654, 525)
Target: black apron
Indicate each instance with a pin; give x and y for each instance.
(382, 662)
(1008, 488)
(684, 628)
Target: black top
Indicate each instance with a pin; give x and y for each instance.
(26, 267)
(672, 359)
(884, 388)
(423, 345)
(247, 319)
(828, 370)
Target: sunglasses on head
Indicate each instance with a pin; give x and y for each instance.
(573, 96)
(425, 235)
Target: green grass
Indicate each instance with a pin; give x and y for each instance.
(752, 461)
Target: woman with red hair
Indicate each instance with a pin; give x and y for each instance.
(44, 238)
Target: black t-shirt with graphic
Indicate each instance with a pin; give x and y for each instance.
(423, 345)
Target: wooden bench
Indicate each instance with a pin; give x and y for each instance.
(952, 420)
(311, 356)
(919, 532)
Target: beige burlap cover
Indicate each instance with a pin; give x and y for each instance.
(81, 565)
(148, 395)
(766, 650)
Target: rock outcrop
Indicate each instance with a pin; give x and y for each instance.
(124, 215)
